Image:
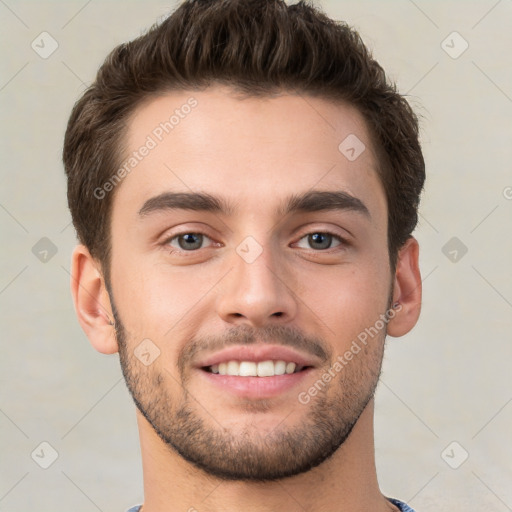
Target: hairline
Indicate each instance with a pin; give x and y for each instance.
(237, 91)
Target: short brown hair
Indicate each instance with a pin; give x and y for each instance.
(257, 47)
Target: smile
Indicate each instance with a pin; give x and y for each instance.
(267, 368)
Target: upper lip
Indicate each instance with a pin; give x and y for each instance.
(258, 353)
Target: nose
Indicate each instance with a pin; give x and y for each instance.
(258, 292)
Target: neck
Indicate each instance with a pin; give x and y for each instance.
(345, 482)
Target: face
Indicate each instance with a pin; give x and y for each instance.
(242, 237)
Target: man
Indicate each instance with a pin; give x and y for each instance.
(244, 184)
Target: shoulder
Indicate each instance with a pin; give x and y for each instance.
(403, 507)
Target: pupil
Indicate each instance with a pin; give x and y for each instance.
(190, 241)
(322, 240)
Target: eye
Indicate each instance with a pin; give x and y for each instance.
(320, 240)
(187, 241)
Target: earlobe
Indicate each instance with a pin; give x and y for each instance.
(91, 300)
(406, 290)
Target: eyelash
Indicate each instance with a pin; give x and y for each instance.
(342, 241)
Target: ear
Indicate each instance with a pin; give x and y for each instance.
(406, 290)
(92, 303)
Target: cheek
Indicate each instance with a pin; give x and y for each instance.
(346, 300)
(158, 301)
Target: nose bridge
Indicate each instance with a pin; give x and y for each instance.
(256, 291)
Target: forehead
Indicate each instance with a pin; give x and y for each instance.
(248, 148)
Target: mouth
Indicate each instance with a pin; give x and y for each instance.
(256, 371)
(262, 369)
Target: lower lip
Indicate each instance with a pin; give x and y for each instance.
(256, 387)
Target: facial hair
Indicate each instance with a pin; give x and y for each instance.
(246, 454)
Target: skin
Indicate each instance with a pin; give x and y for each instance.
(254, 153)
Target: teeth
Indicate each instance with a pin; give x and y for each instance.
(279, 368)
(246, 369)
(232, 368)
(252, 369)
(266, 369)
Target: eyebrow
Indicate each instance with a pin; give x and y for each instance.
(312, 201)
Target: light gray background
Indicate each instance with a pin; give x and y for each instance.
(448, 380)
